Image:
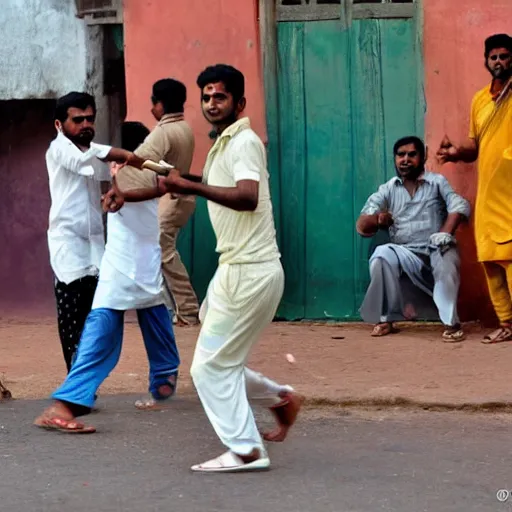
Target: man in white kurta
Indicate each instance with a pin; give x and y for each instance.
(130, 277)
(76, 240)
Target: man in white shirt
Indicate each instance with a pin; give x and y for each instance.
(130, 277)
(245, 292)
(75, 233)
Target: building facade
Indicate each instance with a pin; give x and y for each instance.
(47, 51)
(331, 84)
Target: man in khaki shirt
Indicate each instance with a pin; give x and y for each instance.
(172, 140)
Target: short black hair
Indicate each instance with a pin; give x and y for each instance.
(497, 41)
(80, 100)
(411, 139)
(232, 78)
(171, 93)
(133, 134)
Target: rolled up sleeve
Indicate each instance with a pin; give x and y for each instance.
(101, 169)
(454, 202)
(377, 202)
(63, 152)
(100, 150)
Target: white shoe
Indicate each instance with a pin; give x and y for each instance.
(230, 462)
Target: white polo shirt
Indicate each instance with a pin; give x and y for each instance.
(242, 237)
(75, 234)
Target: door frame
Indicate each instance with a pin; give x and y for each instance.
(268, 38)
(267, 21)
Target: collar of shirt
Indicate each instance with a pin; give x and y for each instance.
(236, 127)
(67, 144)
(424, 176)
(229, 133)
(222, 140)
(498, 93)
(172, 118)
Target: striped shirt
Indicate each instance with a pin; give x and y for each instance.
(416, 218)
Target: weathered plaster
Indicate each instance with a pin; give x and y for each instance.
(46, 50)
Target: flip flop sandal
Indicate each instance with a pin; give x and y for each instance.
(64, 426)
(230, 462)
(451, 336)
(383, 329)
(498, 336)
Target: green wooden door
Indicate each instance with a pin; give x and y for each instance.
(196, 245)
(346, 92)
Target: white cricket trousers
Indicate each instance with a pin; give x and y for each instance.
(241, 301)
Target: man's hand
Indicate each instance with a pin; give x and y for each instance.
(115, 168)
(368, 225)
(112, 201)
(175, 183)
(441, 238)
(442, 241)
(385, 220)
(447, 152)
(123, 157)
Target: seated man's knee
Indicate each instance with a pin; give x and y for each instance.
(375, 266)
(383, 253)
(445, 265)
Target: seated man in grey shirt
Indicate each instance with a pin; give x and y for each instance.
(421, 212)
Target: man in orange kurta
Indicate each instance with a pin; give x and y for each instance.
(490, 140)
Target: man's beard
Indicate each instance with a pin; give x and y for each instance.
(501, 74)
(84, 138)
(413, 174)
(226, 120)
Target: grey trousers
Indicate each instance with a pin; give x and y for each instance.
(434, 277)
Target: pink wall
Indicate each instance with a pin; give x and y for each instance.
(454, 70)
(184, 38)
(187, 36)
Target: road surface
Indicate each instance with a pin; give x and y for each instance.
(332, 462)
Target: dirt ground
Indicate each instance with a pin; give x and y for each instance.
(335, 364)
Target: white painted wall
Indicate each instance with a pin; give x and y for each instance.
(46, 51)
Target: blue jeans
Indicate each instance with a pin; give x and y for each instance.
(100, 348)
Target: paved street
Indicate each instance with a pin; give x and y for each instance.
(333, 462)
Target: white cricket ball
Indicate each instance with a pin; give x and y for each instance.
(290, 358)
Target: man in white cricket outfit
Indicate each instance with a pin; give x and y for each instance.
(245, 292)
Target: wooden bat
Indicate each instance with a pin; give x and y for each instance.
(163, 168)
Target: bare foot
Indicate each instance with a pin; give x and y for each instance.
(250, 457)
(285, 413)
(5, 394)
(165, 392)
